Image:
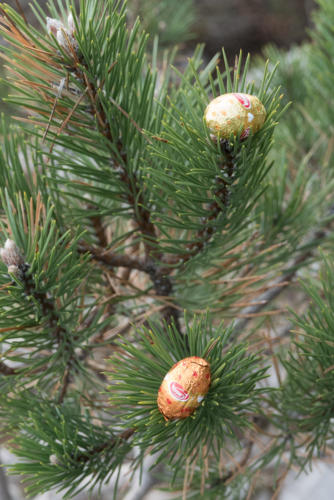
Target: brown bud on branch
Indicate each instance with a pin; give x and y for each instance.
(11, 255)
(64, 35)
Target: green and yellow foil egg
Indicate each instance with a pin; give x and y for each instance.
(230, 114)
(184, 387)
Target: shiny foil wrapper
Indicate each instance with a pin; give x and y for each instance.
(233, 113)
(184, 387)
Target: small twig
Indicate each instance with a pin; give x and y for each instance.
(21, 11)
(67, 119)
(239, 468)
(276, 287)
(135, 124)
(124, 436)
(160, 139)
(112, 260)
(60, 90)
(7, 370)
(247, 454)
(98, 228)
(265, 299)
(252, 484)
(162, 284)
(126, 273)
(280, 482)
(65, 384)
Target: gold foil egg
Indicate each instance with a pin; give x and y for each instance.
(184, 387)
(232, 113)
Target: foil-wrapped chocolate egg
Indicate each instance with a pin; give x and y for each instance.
(233, 113)
(184, 387)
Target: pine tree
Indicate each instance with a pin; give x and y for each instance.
(132, 238)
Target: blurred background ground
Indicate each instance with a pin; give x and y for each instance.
(235, 24)
(249, 25)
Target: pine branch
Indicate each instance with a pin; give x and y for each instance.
(163, 286)
(136, 198)
(46, 304)
(99, 229)
(221, 195)
(140, 370)
(193, 198)
(112, 260)
(278, 285)
(49, 311)
(239, 468)
(124, 436)
(43, 302)
(162, 283)
(66, 380)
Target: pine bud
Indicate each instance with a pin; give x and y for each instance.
(70, 22)
(11, 256)
(14, 270)
(54, 460)
(65, 36)
(54, 25)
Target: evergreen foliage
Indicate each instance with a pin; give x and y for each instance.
(140, 370)
(308, 388)
(132, 239)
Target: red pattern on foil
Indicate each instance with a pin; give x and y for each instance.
(244, 101)
(178, 392)
(245, 133)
